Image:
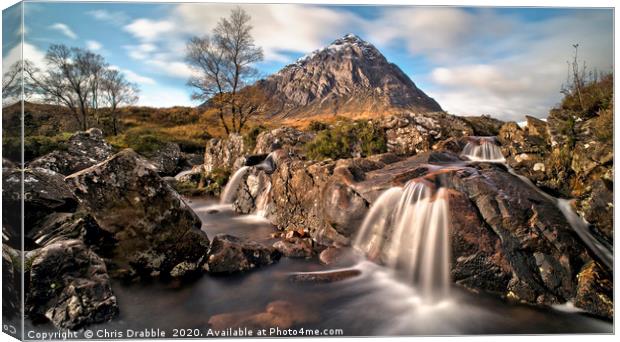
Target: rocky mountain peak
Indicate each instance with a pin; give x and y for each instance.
(350, 77)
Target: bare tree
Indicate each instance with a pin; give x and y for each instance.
(68, 79)
(224, 64)
(116, 91)
(15, 80)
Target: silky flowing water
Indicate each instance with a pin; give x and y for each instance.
(404, 290)
(378, 302)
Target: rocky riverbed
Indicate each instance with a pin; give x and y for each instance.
(111, 243)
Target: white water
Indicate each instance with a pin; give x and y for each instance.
(579, 225)
(262, 200)
(408, 229)
(483, 149)
(230, 191)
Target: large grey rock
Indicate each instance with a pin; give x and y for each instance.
(154, 228)
(83, 150)
(69, 286)
(411, 133)
(45, 192)
(288, 137)
(222, 153)
(167, 159)
(229, 254)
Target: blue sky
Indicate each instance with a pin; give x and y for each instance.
(504, 62)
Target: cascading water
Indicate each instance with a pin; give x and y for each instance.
(408, 229)
(483, 149)
(579, 225)
(230, 191)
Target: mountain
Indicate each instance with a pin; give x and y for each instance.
(349, 77)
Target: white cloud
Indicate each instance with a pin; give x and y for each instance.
(30, 52)
(93, 45)
(499, 71)
(64, 29)
(149, 30)
(117, 18)
(162, 96)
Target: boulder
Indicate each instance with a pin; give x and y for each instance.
(229, 254)
(284, 137)
(294, 247)
(45, 192)
(11, 283)
(223, 153)
(83, 149)
(68, 285)
(595, 290)
(73, 226)
(281, 314)
(410, 133)
(483, 125)
(167, 159)
(154, 228)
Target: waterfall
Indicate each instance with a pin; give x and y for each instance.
(230, 191)
(262, 200)
(483, 149)
(408, 229)
(577, 223)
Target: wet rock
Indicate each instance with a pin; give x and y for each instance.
(73, 226)
(83, 150)
(45, 192)
(167, 159)
(229, 254)
(595, 291)
(222, 153)
(280, 313)
(11, 282)
(332, 255)
(294, 247)
(154, 228)
(190, 176)
(69, 286)
(323, 277)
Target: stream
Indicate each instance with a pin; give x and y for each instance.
(374, 303)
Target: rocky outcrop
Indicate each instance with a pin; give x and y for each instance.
(350, 76)
(507, 238)
(229, 254)
(155, 230)
(284, 137)
(569, 157)
(222, 153)
(68, 285)
(45, 192)
(408, 134)
(83, 149)
(483, 125)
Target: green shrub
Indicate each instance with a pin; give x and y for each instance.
(346, 139)
(34, 145)
(249, 138)
(317, 126)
